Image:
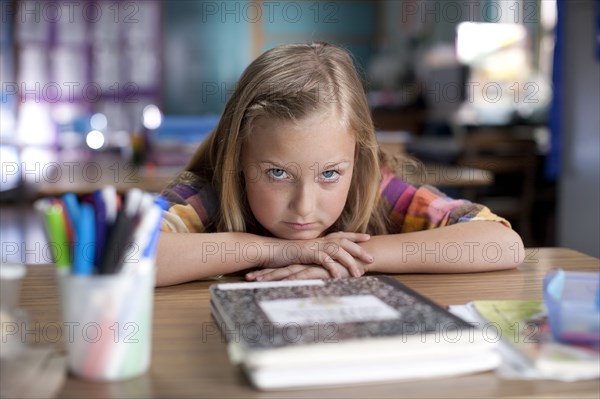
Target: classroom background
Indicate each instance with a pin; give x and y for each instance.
(498, 98)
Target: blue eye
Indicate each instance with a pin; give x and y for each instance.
(277, 174)
(330, 175)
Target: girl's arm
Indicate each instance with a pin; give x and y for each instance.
(185, 257)
(464, 247)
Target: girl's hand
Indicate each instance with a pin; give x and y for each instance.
(294, 272)
(333, 252)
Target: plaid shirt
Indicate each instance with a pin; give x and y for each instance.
(193, 203)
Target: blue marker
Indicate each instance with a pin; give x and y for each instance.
(84, 250)
(72, 204)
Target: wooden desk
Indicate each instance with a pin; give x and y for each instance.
(190, 360)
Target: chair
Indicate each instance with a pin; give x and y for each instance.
(510, 153)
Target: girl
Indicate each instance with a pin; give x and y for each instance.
(292, 184)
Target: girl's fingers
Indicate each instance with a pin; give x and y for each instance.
(258, 273)
(353, 249)
(308, 273)
(327, 263)
(350, 255)
(332, 265)
(252, 275)
(295, 272)
(275, 274)
(358, 252)
(344, 259)
(348, 242)
(337, 252)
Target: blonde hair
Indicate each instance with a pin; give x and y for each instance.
(292, 82)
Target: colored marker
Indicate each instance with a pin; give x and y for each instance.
(142, 237)
(109, 196)
(72, 206)
(57, 233)
(120, 233)
(83, 263)
(101, 225)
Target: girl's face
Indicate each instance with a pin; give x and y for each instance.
(297, 176)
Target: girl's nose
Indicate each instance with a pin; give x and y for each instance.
(303, 201)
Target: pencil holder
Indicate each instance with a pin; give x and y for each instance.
(108, 323)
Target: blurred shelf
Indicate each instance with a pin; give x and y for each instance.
(123, 176)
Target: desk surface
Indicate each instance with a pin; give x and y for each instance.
(190, 359)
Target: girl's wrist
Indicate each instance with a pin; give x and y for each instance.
(279, 252)
(269, 251)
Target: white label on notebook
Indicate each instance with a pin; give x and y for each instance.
(343, 309)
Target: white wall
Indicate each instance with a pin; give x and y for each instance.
(579, 183)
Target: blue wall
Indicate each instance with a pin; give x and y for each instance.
(207, 45)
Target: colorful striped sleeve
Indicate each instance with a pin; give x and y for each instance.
(425, 207)
(192, 204)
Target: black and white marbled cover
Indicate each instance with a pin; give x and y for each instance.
(241, 318)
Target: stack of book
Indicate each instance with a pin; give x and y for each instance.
(311, 333)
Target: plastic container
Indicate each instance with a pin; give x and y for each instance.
(109, 319)
(573, 303)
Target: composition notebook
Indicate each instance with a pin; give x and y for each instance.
(294, 334)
